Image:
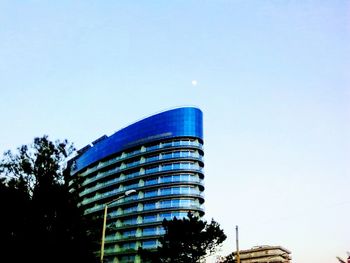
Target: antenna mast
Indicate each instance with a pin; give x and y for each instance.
(238, 260)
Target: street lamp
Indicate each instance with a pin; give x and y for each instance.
(238, 258)
(127, 193)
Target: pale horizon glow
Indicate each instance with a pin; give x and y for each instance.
(271, 77)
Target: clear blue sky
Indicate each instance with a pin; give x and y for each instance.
(273, 83)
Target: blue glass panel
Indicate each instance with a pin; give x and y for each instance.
(151, 181)
(175, 203)
(176, 166)
(166, 179)
(151, 193)
(131, 221)
(149, 206)
(166, 215)
(175, 190)
(165, 204)
(152, 169)
(167, 144)
(181, 122)
(149, 231)
(165, 191)
(149, 218)
(149, 244)
(166, 155)
(129, 233)
(130, 209)
(130, 245)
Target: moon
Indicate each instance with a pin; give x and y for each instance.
(194, 82)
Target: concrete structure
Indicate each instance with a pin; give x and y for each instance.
(265, 254)
(161, 157)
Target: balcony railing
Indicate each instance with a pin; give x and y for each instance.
(132, 175)
(137, 152)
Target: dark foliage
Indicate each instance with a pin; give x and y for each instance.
(186, 240)
(40, 220)
(228, 259)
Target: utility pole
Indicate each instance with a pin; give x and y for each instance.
(238, 260)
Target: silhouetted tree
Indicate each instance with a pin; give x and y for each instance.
(228, 259)
(40, 218)
(186, 240)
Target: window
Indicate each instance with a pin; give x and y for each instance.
(166, 167)
(133, 152)
(165, 204)
(152, 169)
(175, 203)
(161, 231)
(149, 244)
(166, 216)
(185, 154)
(130, 209)
(185, 165)
(185, 202)
(130, 233)
(151, 193)
(115, 213)
(176, 178)
(187, 190)
(152, 158)
(129, 245)
(149, 206)
(132, 164)
(149, 218)
(175, 190)
(185, 177)
(151, 181)
(176, 166)
(131, 175)
(180, 215)
(149, 231)
(166, 179)
(131, 221)
(187, 142)
(165, 191)
(171, 215)
(167, 144)
(166, 155)
(152, 147)
(176, 143)
(130, 197)
(176, 154)
(131, 186)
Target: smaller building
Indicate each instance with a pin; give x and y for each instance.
(264, 254)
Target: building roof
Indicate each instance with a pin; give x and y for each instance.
(263, 248)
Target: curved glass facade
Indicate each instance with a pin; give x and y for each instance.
(161, 157)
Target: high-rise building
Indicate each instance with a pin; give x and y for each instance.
(161, 157)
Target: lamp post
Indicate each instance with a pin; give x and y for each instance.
(127, 193)
(238, 258)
